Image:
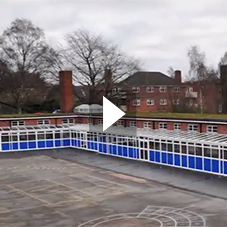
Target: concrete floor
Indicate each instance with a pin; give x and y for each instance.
(43, 190)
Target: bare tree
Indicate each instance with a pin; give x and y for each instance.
(223, 60)
(199, 72)
(171, 72)
(27, 56)
(90, 57)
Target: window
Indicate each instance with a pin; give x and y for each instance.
(163, 102)
(176, 89)
(150, 89)
(147, 124)
(133, 124)
(192, 127)
(44, 122)
(177, 126)
(136, 102)
(162, 126)
(5, 137)
(120, 123)
(67, 121)
(176, 102)
(220, 108)
(18, 123)
(162, 89)
(117, 90)
(189, 89)
(100, 121)
(150, 102)
(212, 128)
(135, 89)
(90, 121)
(31, 136)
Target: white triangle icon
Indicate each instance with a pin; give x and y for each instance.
(111, 113)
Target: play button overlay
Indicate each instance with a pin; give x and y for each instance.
(111, 113)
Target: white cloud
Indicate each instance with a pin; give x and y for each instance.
(159, 32)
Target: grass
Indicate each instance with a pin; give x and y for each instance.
(152, 115)
(31, 115)
(180, 115)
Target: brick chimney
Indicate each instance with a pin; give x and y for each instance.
(177, 76)
(66, 91)
(108, 76)
(223, 78)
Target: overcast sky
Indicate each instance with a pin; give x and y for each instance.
(158, 32)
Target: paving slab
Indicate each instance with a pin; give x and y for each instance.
(67, 188)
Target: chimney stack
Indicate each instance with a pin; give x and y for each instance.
(108, 76)
(177, 76)
(223, 78)
(66, 91)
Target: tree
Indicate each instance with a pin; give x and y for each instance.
(200, 73)
(90, 57)
(28, 58)
(171, 72)
(223, 60)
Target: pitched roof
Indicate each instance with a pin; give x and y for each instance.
(148, 78)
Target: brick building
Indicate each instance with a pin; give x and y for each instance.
(146, 92)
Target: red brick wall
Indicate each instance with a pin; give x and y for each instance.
(66, 90)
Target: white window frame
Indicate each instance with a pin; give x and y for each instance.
(120, 123)
(100, 121)
(67, 121)
(133, 124)
(176, 102)
(163, 102)
(150, 102)
(18, 123)
(192, 127)
(176, 89)
(162, 89)
(43, 122)
(147, 125)
(136, 102)
(149, 89)
(177, 126)
(212, 129)
(162, 126)
(135, 89)
(189, 89)
(90, 121)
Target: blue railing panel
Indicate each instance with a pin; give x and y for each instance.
(164, 157)
(57, 143)
(157, 156)
(125, 151)
(170, 159)
(191, 162)
(215, 166)
(66, 142)
(23, 145)
(207, 164)
(152, 156)
(15, 146)
(199, 163)
(50, 143)
(6, 146)
(184, 161)
(177, 159)
(32, 145)
(41, 144)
